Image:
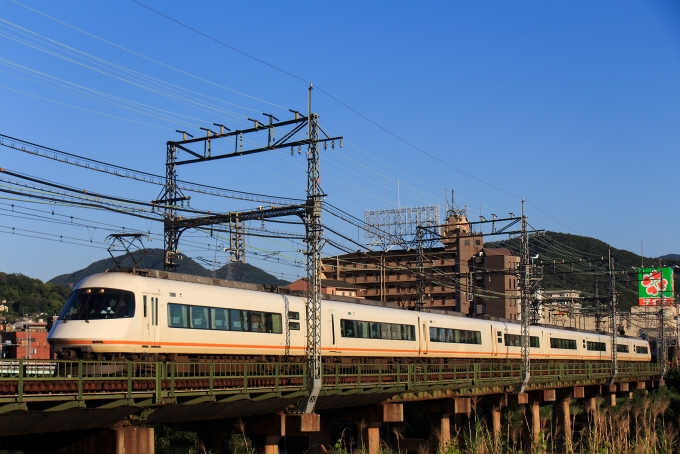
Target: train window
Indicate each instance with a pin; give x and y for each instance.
(455, 336)
(293, 315)
(219, 319)
(564, 344)
(622, 348)
(515, 340)
(396, 331)
(500, 337)
(348, 328)
(199, 317)
(641, 350)
(177, 315)
(366, 330)
(144, 306)
(235, 320)
(257, 322)
(294, 326)
(375, 330)
(596, 346)
(98, 304)
(362, 330)
(385, 331)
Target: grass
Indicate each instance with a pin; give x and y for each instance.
(645, 424)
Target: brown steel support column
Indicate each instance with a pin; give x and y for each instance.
(271, 444)
(373, 438)
(562, 422)
(535, 421)
(496, 422)
(445, 427)
(494, 403)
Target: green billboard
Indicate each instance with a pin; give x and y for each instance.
(652, 284)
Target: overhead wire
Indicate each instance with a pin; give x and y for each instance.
(350, 187)
(148, 58)
(126, 75)
(139, 175)
(376, 124)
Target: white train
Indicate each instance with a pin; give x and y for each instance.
(121, 315)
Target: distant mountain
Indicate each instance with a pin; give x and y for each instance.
(153, 259)
(581, 275)
(244, 272)
(670, 257)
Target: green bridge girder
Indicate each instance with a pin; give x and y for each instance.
(57, 385)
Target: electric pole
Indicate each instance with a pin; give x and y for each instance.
(420, 264)
(661, 349)
(314, 236)
(612, 318)
(524, 279)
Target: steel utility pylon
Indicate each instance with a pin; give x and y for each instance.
(527, 275)
(314, 233)
(612, 318)
(309, 211)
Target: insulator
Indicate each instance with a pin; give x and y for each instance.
(299, 149)
(332, 144)
(291, 151)
(340, 142)
(325, 145)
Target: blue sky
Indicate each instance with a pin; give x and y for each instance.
(571, 105)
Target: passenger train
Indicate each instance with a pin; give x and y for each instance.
(119, 315)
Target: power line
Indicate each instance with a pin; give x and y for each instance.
(147, 58)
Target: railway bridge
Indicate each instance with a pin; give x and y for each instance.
(91, 401)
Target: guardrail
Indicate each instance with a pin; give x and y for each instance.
(158, 382)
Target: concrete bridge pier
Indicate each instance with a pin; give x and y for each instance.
(562, 414)
(494, 404)
(536, 398)
(272, 427)
(122, 439)
(446, 416)
(369, 421)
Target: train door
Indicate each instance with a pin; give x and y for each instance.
(332, 318)
(424, 337)
(150, 311)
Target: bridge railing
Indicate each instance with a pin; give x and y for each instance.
(22, 379)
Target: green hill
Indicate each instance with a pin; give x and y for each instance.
(586, 255)
(153, 259)
(25, 295)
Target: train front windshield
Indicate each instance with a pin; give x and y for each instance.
(99, 304)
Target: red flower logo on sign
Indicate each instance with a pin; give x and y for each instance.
(653, 283)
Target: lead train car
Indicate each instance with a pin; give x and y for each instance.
(120, 315)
